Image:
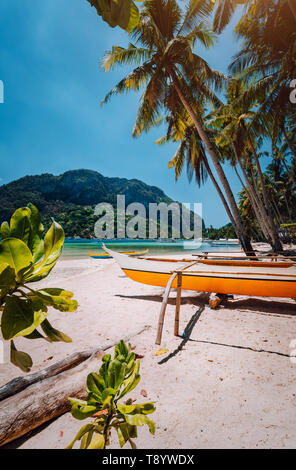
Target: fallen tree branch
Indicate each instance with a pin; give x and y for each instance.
(46, 396)
(20, 383)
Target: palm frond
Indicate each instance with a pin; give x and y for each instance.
(223, 14)
(121, 56)
(196, 11)
(133, 81)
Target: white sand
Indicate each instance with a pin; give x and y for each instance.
(229, 387)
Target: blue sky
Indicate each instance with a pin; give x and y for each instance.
(52, 120)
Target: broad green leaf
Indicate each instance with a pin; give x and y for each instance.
(53, 243)
(104, 370)
(116, 373)
(107, 402)
(56, 291)
(36, 335)
(20, 225)
(15, 253)
(122, 434)
(5, 230)
(35, 240)
(125, 432)
(53, 334)
(84, 430)
(108, 391)
(126, 408)
(98, 442)
(41, 269)
(19, 318)
(132, 381)
(39, 317)
(123, 13)
(61, 301)
(86, 439)
(121, 349)
(130, 362)
(134, 17)
(132, 431)
(38, 251)
(95, 384)
(7, 276)
(141, 408)
(54, 240)
(140, 420)
(82, 411)
(106, 358)
(77, 401)
(20, 359)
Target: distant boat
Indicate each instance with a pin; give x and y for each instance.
(129, 253)
(241, 277)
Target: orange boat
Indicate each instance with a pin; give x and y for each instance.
(106, 255)
(240, 277)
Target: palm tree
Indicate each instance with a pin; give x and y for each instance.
(253, 8)
(190, 151)
(234, 124)
(165, 58)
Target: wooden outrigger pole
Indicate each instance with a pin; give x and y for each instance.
(178, 274)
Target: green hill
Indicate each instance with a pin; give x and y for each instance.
(70, 198)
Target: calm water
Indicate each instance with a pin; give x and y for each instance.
(80, 248)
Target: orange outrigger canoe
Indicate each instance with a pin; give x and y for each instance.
(240, 277)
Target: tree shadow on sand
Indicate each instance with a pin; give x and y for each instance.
(257, 305)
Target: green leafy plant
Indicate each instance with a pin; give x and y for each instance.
(25, 258)
(116, 378)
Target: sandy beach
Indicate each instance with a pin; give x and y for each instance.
(231, 385)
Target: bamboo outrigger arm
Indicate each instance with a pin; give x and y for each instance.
(175, 274)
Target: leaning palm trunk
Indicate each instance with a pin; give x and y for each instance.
(290, 173)
(256, 201)
(253, 204)
(255, 207)
(239, 227)
(224, 202)
(277, 244)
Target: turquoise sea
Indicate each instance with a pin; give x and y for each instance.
(79, 248)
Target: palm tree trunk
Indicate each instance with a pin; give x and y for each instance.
(239, 178)
(256, 202)
(287, 206)
(277, 244)
(240, 229)
(290, 173)
(215, 183)
(253, 205)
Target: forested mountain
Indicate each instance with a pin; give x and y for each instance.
(70, 198)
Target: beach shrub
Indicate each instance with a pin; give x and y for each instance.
(25, 258)
(116, 378)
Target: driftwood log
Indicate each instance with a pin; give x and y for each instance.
(28, 402)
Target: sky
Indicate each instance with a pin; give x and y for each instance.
(52, 121)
